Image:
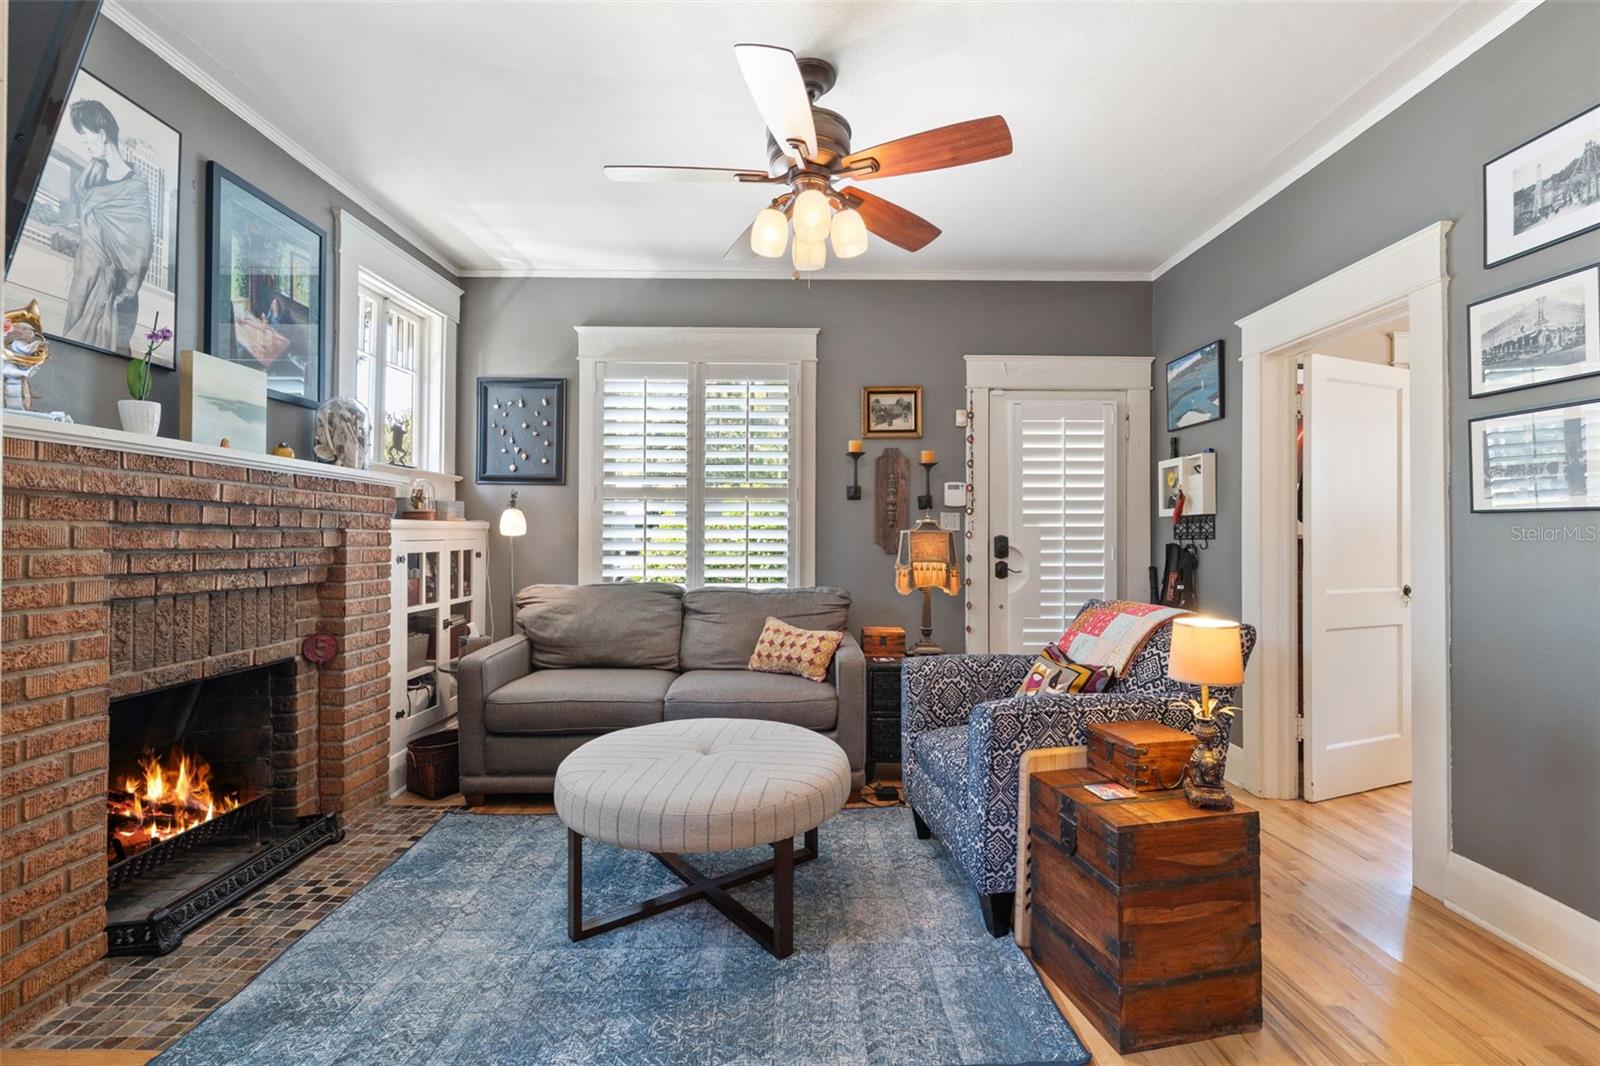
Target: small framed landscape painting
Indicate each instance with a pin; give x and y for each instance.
(522, 431)
(1543, 191)
(219, 400)
(1544, 332)
(1194, 388)
(891, 411)
(99, 247)
(265, 303)
(1546, 459)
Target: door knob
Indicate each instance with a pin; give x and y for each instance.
(1405, 591)
(1002, 570)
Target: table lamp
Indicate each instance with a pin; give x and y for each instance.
(927, 561)
(1206, 652)
(513, 524)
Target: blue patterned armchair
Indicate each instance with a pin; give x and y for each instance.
(963, 732)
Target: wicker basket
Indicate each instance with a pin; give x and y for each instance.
(433, 767)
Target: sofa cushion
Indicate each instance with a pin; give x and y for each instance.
(743, 694)
(721, 626)
(577, 701)
(636, 626)
(942, 755)
(786, 649)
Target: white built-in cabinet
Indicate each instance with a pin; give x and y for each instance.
(437, 581)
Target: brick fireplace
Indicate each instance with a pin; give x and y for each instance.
(135, 564)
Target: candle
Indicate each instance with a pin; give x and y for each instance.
(853, 448)
(928, 456)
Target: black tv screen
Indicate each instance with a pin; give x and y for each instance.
(45, 42)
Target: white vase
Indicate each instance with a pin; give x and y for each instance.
(140, 416)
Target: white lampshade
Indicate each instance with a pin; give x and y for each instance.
(849, 234)
(810, 255)
(769, 236)
(513, 523)
(1206, 651)
(812, 216)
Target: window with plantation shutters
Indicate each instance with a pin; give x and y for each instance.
(697, 470)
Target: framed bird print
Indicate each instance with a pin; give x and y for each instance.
(522, 431)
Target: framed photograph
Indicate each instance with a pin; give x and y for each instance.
(266, 303)
(891, 411)
(1543, 191)
(522, 431)
(1194, 388)
(1169, 482)
(99, 247)
(1544, 332)
(1546, 459)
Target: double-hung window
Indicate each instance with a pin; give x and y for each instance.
(696, 456)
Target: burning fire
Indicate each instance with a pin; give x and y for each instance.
(165, 801)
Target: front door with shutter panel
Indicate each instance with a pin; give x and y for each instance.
(1053, 485)
(1357, 654)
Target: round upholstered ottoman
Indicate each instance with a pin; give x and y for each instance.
(702, 784)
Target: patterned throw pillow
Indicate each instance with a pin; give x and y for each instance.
(786, 649)
(1055, 674)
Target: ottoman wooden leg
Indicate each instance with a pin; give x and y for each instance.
(783, 898)
(574, 885)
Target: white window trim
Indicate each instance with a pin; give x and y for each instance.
(359, 249)
(600, 345)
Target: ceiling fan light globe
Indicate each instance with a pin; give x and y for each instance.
(810, 255)
(769, 236)
(849, 234)
(812, 216)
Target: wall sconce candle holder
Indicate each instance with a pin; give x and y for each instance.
(852, 491)
(925, 501)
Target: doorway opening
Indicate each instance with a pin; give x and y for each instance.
(1353, 526)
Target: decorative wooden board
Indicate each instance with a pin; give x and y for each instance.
(892, 473)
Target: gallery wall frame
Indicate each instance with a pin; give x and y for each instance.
(891, 412)
(284, 323)
(1510, 230)
(1574, 336)
(92, 309)
(1209, 399)
(1533, 419)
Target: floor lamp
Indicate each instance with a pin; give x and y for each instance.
(513, 524)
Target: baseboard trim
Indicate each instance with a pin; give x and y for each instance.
(1552, 932)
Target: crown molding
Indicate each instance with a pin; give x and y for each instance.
(142, 32)
(1436, 70)
(825, 275)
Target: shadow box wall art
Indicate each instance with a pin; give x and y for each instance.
(522, 431)
(99, 248)
(266, 299)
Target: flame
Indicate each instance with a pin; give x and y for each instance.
(167, 798)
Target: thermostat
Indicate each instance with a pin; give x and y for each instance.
(955, 494)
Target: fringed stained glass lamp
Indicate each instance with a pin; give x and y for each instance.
(927, 561)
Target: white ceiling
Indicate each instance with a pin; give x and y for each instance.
(479, 129)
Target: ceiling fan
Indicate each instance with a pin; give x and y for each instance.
(808, 150)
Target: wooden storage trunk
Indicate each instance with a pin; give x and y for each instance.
(1142, 755)
(1146, 911)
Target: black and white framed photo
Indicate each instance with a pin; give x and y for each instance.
(1544, 332)
(1543, 191)
(1545, 459)
(522, 431)
(99, 247)
(1194, 388)
(266, 304)
(891, 412)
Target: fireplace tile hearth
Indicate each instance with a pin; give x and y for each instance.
(147, 1002)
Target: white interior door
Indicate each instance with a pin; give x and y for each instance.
(1053, 497)
(1357, 508)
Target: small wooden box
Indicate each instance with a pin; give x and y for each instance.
(883, 640)
(1146, 912)
(1145, 756)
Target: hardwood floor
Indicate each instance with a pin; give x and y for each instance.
(1359, 969)
(1356, 967)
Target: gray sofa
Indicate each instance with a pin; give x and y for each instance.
(589, 659)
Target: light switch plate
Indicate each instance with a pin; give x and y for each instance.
(961, 418)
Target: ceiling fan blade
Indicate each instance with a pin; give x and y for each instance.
(948, 146)
(740, 249)
(677, 174)
(780, 94)
(891, 221)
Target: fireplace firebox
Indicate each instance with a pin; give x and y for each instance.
(194, 822)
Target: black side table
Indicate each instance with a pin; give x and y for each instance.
(883, 712)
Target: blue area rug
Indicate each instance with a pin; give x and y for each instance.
(458, 953)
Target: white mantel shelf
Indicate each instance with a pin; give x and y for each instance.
(27, 427)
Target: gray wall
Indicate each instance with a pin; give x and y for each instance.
(872, 333)
(88, 384)
(1525, 684)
